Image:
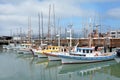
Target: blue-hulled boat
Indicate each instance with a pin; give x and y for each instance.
(86, 55)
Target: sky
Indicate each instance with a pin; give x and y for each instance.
(14, 14)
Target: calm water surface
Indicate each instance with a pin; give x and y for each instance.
(15, 66)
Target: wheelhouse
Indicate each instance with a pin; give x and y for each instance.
(85, 50)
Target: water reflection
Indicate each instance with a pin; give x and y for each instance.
(25, 67)
(91, 71)
(84, 68)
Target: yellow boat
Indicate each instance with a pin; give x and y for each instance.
(47, 49)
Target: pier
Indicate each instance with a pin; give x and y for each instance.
(113, 42)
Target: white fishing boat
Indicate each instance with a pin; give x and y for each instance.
(25, 49)
(86, 55)
(10, 46)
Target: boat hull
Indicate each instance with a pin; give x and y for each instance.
(53, 56)
(41, 55)
(38, 53)
(67, 59)
(27, 52)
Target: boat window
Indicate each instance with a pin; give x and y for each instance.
(90, 51)
(79, 50)
(87, 51)
(65, 49)
(53, 48)
(83, 51)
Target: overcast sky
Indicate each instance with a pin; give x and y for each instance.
(14, 14)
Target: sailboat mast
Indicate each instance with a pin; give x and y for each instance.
(70, 31)
(39, 25)
(54, 25)
(49, 23)
(28, 29)
(42, 28)
(90, 40)
(20, 35)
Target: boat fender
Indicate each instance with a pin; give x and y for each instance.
(37, 49)
(73, 49)
(96, 54)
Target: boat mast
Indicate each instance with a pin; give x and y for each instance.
(20, 35)
(58, 32)
(54, 25)
(29, 29)
(17, 34)
(39, 25)
(42, 28)
(49, 23)
(90, 40)
(70, 31)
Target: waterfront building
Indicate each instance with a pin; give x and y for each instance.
(115, 34)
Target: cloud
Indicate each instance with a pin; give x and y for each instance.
(114, 13)
(98, 0)
(15, 13)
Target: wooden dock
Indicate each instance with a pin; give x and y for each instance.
(113, 42)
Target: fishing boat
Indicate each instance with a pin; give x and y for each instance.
(53, 55)
(11, 46)
(42, 53)
(86, 55)
(25, 49)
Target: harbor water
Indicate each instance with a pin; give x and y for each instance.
(14, 66)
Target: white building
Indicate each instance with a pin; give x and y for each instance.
(115, 34)
(16, 38)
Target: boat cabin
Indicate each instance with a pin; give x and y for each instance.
(26, 45)
(85, 50)
(82, 51)
(51, 49)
